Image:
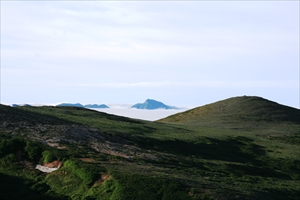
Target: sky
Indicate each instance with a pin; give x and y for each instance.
(180, 53)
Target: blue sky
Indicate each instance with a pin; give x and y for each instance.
(181, 53)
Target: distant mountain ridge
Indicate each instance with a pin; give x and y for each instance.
(96, 106)
(84, 106)
(151, 104)
(16, 105)
(71, 104)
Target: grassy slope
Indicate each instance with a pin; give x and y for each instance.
(239, 108)
(240, 148)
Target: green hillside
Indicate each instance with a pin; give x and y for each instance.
(243, 108)
(239, 148)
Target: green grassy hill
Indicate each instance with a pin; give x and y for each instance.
(239, 148)
(243, 108)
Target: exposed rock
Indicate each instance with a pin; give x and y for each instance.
(45, 169)
(54, 164)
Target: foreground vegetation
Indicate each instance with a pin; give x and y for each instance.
(240, 148)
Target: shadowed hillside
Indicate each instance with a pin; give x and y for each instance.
(239, 148)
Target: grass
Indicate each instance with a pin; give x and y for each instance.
(239, 108)
(240, 148)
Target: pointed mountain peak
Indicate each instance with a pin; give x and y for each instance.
(151, 104)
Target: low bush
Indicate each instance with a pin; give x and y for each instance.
(33, 150)
(48, 156)
(86, 175)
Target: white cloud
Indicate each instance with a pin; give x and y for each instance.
(69, 31)
(150, 115)
(157, 45)
(198, 84)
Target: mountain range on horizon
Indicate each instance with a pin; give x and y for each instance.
(84, 106)
(149, 104)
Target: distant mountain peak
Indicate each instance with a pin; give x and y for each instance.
(151, 104)
(152, 100)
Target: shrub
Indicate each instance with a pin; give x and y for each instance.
(33, 150)
(86, 175)
(8, 159)
(8, 146)
(48, 156)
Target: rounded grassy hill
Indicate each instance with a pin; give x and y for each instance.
(239, 108)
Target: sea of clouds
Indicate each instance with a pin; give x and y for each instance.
(125, 110)
(150, 115)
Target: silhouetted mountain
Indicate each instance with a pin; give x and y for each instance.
(151, 104)
(71, 104)
(96, 106)
(16, 105)
(84, 106)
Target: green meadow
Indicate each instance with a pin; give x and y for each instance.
(238, 148)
